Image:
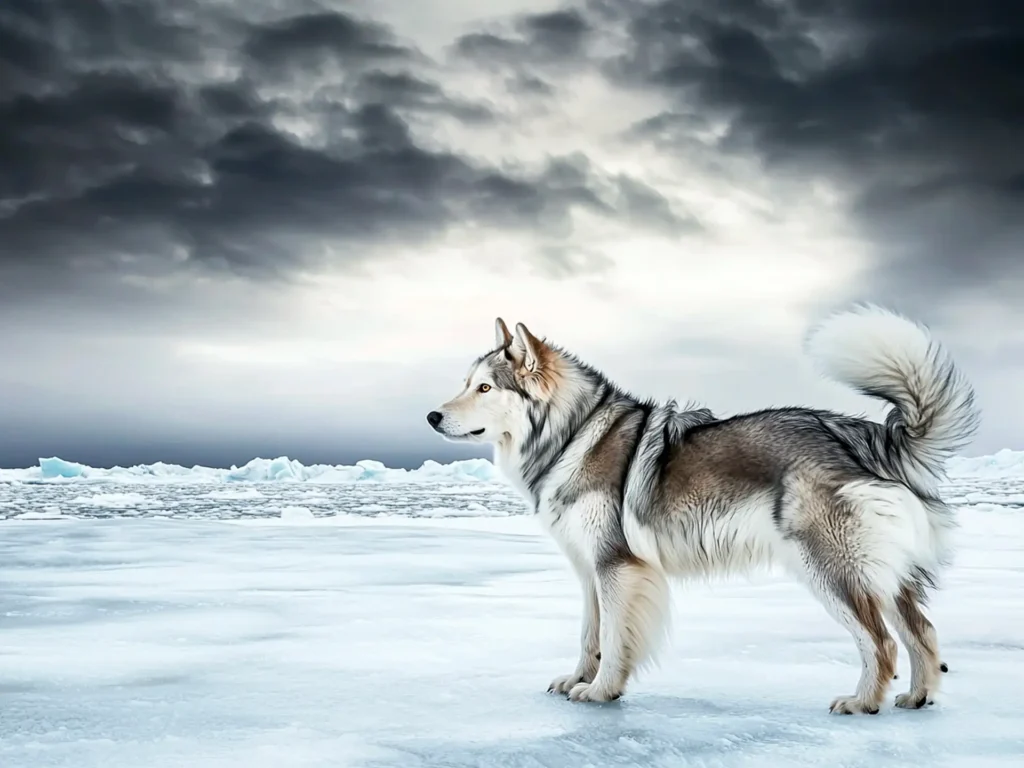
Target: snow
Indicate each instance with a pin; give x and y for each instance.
(416, 623)
(46, 513)
(296, 514)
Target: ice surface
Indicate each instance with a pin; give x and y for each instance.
(417, 624)
(297, 514)
(214, 500)
(111, 500)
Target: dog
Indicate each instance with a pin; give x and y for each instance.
(635, 492)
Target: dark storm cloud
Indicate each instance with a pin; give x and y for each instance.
(403, 91)
(144, 139)
(532, 37)
(918, 106)
(914, 108)
(647, 208)
(308, 40)
(557, 33)
(529, 85)
(576, 183)
(532, 51)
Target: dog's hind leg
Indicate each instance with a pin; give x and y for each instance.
(894, 653)
(828, 541)
(918, 635)
(634, 600)
(590, 644)
(861, 613)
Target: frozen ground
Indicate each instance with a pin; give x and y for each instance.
(203, 622)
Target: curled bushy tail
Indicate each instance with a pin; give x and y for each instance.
(884, 355)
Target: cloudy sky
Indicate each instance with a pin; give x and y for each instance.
(231, 229)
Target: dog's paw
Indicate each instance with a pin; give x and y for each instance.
(912, 700)
(565, 683)
(851, 705)
(592, 692)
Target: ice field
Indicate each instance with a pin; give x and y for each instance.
(279, 616)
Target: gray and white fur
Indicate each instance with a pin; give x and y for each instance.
(636, 492)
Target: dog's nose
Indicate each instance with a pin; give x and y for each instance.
(434, 418)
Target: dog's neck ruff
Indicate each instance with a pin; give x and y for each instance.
(658, 427)
(555, 432)
(540, 452)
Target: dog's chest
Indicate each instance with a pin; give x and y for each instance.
(577, 527)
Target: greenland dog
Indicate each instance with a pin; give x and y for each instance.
(635, 492)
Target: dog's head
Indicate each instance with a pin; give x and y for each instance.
(502, 388)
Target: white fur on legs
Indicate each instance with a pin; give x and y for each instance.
(865, 700)
(860, 613)
(634, 600)
(590, 648)
(918, 635)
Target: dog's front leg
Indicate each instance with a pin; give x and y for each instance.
(633, 598)
(590, 649)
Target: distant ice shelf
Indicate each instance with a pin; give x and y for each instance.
(1004, 464)
(281, 469)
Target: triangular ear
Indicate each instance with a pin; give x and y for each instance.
(531, 346)
(502, 338)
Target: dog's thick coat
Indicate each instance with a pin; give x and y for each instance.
(636, 492)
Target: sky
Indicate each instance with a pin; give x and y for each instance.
(232, 229)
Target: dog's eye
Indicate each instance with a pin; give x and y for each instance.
(483, 388)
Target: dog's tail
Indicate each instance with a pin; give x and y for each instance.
(884, 355)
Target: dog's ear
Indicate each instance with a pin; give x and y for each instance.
(502, 337)
(530, 347)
